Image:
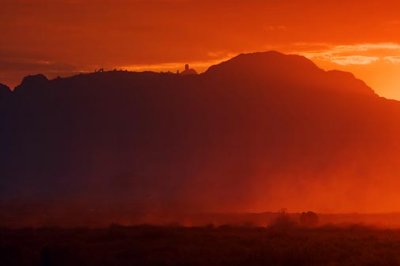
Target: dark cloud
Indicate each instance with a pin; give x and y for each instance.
(22, 65)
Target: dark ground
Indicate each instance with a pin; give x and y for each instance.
(224, 245)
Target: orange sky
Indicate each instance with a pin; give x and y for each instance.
(70, 36)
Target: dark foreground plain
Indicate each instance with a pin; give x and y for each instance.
(208, 245)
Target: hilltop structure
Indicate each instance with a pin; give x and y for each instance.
(188, 71)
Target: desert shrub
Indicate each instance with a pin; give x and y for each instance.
(309, 219)
(282, 222)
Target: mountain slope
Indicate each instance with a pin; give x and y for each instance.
(259, 132)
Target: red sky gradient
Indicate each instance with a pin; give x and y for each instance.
(70, 36)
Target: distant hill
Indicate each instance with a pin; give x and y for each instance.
(258, 132)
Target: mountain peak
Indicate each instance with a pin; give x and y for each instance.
(32, 83)
(273, 67)
(267, 62)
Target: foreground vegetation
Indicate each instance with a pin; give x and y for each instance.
(209, 245)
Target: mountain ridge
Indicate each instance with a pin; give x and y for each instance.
(251, 65)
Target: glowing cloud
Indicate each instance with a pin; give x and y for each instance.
(393, 59)
(355, 54)
(354, 60)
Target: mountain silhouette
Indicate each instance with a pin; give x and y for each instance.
(4, 91)
(259, 131)
(32, 84)
(293, 70)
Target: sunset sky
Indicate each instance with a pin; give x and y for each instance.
(70, 36)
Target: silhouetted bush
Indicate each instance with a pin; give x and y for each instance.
(282, 222)
(309, 219)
